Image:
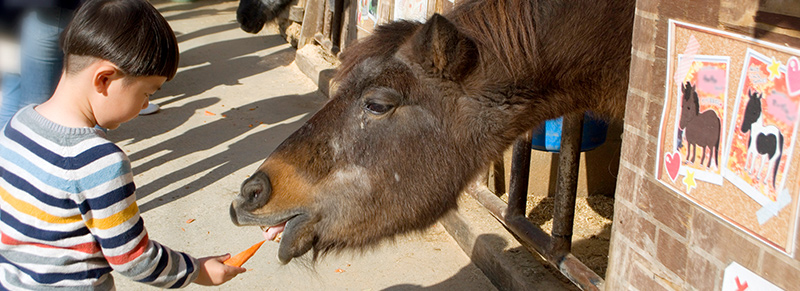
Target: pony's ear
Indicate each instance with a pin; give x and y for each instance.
(686, 86)
(442, 50)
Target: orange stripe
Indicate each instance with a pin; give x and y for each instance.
(130, 256)
(88, 248)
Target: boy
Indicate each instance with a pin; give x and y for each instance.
(68, 215)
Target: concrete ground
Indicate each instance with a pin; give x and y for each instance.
(235, 98)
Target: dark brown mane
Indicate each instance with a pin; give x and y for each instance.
(384, 41)
(501, 29)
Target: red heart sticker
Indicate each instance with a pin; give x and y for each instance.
(793, 76)
(673, 163)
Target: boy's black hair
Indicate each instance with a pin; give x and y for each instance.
(132, 34)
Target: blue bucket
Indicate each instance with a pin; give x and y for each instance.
(547, 137)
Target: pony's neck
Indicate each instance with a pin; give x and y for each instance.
(758, 125)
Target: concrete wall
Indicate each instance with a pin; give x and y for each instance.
(660, 240)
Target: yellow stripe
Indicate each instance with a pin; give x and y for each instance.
(31, 210)
(114, 220)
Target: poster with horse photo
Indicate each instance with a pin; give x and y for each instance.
(701, 97)
(763, 129)
(752, 87)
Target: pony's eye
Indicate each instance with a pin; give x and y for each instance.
(377, 108)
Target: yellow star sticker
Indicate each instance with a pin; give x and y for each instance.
(689, 181)
(773, 69)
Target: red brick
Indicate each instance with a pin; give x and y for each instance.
(637, 229)
(641, 73)
(656, 89)
(781, 270)
(643, 280)
(632, 148)
(662, 37)
(672, 254)
(721, 241)
(627, 182)
(650, 6)
(650, 159)
(655, 109)
(701, 274)
(634, 110)
(665, 206)
(676, 9)
(704, 12)
(644, 32)
(738, 13)
(618, 258)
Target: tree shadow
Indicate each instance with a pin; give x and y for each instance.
(225, 67)
(539, 274)
(166, 120)
(468, 276)
(207, 31)
(227, 50)
(194, 11)
(223, 63)
(189, 5)
(284, 114)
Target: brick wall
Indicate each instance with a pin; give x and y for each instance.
(660, 240)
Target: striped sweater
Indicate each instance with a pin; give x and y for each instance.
(68, 215)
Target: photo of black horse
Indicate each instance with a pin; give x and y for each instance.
(765, 141)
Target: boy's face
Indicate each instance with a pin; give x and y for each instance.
(127, 97)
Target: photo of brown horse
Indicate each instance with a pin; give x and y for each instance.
(702, 129)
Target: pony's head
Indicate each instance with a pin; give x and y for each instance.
(752, 110)
(690, 106)
(388, 154)
(253, 14)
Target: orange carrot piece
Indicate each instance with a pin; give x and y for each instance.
(239, 259)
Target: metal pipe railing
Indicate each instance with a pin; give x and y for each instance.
(554, 248)
(569, 159)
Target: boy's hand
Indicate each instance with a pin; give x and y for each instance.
(213, 272)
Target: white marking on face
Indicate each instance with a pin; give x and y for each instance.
(397, 177)
(336, 148)
(352, 178)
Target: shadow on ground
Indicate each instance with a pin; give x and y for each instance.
(202, 68)
(466, 274)
(237, 122)
(223, 63)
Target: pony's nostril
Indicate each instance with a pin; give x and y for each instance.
(255, 191)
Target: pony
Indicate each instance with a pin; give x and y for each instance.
(421, 109)
(700, 129)
(253, 14)
(764, 141)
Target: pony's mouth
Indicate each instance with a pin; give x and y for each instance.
(273, 233)
(289, 234)
(293, 227)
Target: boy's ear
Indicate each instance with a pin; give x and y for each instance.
(103, 75)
